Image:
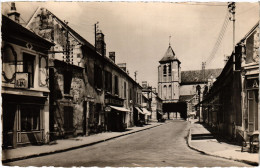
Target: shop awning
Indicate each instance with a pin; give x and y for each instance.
(120, 109)
(160, 113)
(192, 113)
(146, 111)
(139, 110)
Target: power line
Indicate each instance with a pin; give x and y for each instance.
(219, 40)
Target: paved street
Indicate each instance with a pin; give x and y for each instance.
(161, 146)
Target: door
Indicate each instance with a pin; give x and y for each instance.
(252, 110)
(9, 125)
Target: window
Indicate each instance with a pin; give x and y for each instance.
(170, 91)
(67, 81)
(28, 67)
(9, 58)
(116, 85)
(68, 118)
(98, 77)
(170, 70)
(130, 94)
(124, 89)
(108, 81)
(164, 70)
(30, 118)
(164, 92)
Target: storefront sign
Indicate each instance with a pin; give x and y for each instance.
(252, 83)
(21, 80)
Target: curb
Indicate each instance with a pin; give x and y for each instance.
(75, 147)
(211, 154)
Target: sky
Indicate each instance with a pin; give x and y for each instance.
(138, 32)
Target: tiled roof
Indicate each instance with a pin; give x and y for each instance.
(184, 98)
(196, 76)
(169, 56)
(10, 27)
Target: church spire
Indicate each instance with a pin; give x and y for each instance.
(170, 40)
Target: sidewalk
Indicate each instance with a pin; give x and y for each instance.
(68, 144)
(211, 146)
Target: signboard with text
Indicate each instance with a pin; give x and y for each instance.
(21, 80)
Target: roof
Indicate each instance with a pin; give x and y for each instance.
(184, 98)
(196, 76)
(250, 32)
(85, 43)
(73, 33)
(169, 56)
(11, 28)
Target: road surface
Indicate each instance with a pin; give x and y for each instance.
(162, 146)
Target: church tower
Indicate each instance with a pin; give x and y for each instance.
(169, 77)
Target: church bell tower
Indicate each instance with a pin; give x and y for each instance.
(169, 77)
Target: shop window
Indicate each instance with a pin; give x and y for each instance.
(116, 85)
(97, 112)
(68, 118)
(28, 67)
(30, 118)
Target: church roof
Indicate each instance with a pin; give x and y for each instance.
(169, 56)
(196, 76)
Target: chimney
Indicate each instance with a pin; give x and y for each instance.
(12, 14)
(144, 84)
(100, 43)
(112, 56)
(122, 66)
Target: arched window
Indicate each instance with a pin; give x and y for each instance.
(164, 92)
(170, 70)
(170, 92)
(164, 70)
(9, 58)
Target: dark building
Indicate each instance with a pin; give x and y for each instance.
(89, 89)
(231, 105)
(25, 92)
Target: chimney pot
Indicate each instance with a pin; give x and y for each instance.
(13, 14)
(112, 56)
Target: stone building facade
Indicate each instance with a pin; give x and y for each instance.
(25, 92)
(169, 76)
(91, 93)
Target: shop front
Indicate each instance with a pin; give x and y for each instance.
(23, 120)
(117, 118)
(141, 117)
(147, 115)
(251, 117)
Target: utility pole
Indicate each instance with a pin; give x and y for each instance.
(203, 71)
(95, 29)
(232, 10)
